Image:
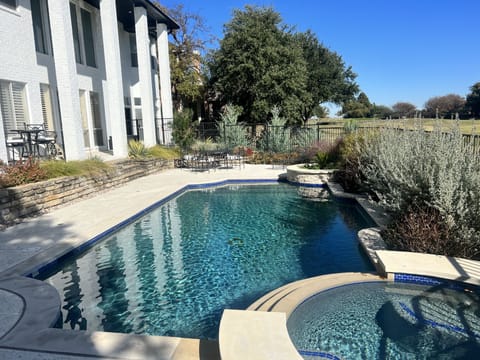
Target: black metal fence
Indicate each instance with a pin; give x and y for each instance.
(279, 139)
(266, 137)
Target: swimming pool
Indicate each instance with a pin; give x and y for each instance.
(176, 269)
(388, 320)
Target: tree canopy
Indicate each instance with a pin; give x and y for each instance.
(444, 106)
(403, 109)
(328, 79)
(473, 100)
(186, 46)
(262, 63)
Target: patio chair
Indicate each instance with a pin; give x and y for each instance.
(16, 142)
(47, 139)
(43, 138)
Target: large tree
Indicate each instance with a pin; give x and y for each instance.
(328, 79)
(258, 66)
(186, 46)
(444, 106)
(473, 100)
(359, 107)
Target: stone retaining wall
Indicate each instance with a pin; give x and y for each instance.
(32, 199)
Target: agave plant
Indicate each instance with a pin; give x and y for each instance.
(137, 149)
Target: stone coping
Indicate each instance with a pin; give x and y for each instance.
(35, 305)
(286, 298)
(34, 308)
(438, 266)
(255, 335)
(300, 169)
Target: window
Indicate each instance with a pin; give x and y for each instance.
(133, 51)
(9, 3)
(13, 105)
(88, 38)
(83, 35)
(83, 114)
(47, 110)
(40, 26)
(96, 119)
(76, 34)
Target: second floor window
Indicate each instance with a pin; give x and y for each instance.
(88, 38)
(40, 26)
(83, 39)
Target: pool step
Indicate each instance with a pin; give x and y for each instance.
(288, 297)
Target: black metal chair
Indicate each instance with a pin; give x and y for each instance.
(47, 139)
(15, 142)
(43, 138)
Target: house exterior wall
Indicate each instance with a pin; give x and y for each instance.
(23, 64)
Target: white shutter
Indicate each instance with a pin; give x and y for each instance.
(47, 112)
(6, 107)
(19, 104)
(13, 105)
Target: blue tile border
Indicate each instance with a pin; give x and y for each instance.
(320, 354)
(432, 281)
(416, 279)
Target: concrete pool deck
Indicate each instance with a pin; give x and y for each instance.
(25, 247)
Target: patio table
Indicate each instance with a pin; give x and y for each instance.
(31, 146)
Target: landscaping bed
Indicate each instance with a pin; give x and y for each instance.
(19, 202)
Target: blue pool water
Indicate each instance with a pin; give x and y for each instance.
(176, 269)
(381, 320)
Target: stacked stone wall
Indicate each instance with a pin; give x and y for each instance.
(32, 199)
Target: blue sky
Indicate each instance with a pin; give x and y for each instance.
(403, 50)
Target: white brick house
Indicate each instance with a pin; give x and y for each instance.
(95, 71)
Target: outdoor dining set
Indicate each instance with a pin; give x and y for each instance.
(202, 161)
(31, 141)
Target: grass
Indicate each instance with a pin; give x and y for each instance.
(90, 167)
(467, 127)
(162, 152)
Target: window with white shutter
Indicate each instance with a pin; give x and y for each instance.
(13, 105)
(47, 110)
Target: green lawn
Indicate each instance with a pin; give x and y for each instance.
(466, 126)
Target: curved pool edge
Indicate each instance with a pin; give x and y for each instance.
(286, 298)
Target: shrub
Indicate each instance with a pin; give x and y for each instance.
(420, 230)
(137, 150)
(205, 146)
(436, 171)
(348, 173)
(322, 155)
(183, 133)
(22, 172)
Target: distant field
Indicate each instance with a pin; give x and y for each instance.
(466, 126)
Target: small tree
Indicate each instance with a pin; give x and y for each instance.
(231, 133)
(276, 138)
(182, 132)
